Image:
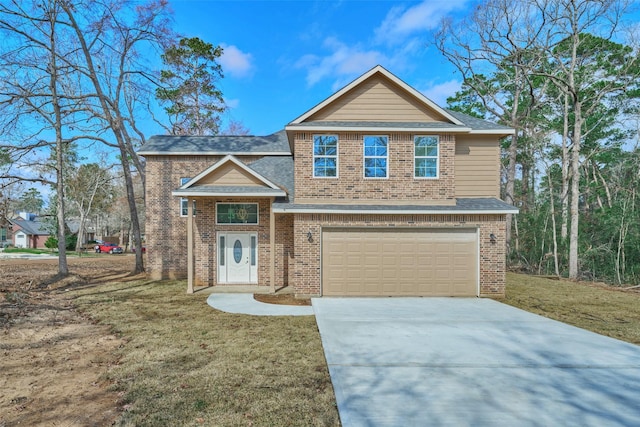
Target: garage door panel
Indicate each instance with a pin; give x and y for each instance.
(404, 262)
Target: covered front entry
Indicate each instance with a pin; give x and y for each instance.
(237, 258)
(399, 262)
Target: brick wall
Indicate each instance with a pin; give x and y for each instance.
(352, 187)
(166, 232)
(306, 272)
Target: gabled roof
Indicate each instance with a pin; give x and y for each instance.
(324, 117)
(274, 144)
(378, 69)
(255, 184)
(31, 228)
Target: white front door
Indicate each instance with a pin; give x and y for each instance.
(237, 258)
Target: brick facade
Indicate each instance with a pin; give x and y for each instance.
(351, 187)
(296, 261)
(166, 230)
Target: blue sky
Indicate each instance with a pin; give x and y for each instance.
(284, 57)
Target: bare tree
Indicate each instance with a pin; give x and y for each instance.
(107, 34)
(88, 189)
(492, 51)
(37, 89)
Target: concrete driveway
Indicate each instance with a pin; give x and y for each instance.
(472, 362)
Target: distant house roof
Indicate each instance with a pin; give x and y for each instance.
(31, 228)
(274, 144)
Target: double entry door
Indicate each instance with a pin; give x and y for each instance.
(237, 258)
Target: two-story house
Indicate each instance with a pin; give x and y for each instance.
(375, 191)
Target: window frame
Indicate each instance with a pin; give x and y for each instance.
(436, 157)
(314, 156)
(184, 208)
(365, 157)
(257, 205)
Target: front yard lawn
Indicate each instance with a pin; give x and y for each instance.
(599, 308)
(186, 364)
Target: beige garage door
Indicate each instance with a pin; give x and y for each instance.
(399, 262)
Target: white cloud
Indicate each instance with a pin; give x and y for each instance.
(401, 22)
(439, 93)
(232, 103)
(235, 62)
(343, 64)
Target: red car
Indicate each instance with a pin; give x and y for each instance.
(110, 248)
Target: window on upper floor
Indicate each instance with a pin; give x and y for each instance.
(325, 156)
(426, 151)
(184, 202)
(376, 156)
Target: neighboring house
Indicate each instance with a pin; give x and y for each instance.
(374, 191)
(29, 231)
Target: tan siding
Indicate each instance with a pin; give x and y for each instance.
(377, 99)
(399, 262)
(477, 166)
(230, 174)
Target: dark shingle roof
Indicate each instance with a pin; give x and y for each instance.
(32, 228)
(476, 123)
(276, 143)
(378, 125)
(463, 205)
(231, 190)
(277, 169)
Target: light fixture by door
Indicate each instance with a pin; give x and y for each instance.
(492, 238)
(309, 237)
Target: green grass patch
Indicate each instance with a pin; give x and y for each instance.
(27, 251)
(188, 364)
(605, 310)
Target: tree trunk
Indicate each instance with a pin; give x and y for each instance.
(116, 128)
(510, 187)
(553, 224)
(63, 267)
(564, 197)
(575, 193)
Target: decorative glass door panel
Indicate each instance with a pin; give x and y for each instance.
(237, 262)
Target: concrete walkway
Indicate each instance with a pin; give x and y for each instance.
(472, 362)
(245, 304)
(22, 255)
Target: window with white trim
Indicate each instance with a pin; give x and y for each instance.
(426, 151)
(376, 156)
(325, 156)
(184, 202)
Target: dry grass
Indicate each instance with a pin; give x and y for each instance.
(598, 308)
(187, 364)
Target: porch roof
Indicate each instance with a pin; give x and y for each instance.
(463, 206)
(229, 191)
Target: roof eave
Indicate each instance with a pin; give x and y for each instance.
(396, 211)
(213, 153)
(330, 128)
(193, 193)
(501, 132)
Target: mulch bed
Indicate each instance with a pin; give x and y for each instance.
(282, 299)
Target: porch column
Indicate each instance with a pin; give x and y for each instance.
(272, 245)
(189, 246)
